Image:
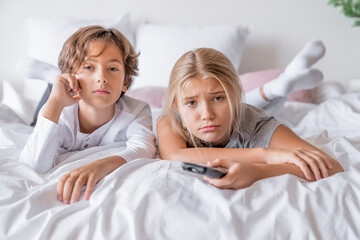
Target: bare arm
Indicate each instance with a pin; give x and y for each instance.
(285, 147)
(242, 175)
(284, 138)
(173, 147)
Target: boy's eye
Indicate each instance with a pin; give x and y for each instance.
(87, 67)
(113, 69)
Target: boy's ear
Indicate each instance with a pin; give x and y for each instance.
(125, 87)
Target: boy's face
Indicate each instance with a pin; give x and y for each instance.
(205, 107)
(101, 77)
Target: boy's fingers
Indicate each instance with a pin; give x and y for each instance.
(80, 182)
(60, 186)
(89, 187)
(68, 188)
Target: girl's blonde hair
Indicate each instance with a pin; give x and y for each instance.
(204, 63)
(75, 49)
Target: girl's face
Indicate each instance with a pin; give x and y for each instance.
(204, 106)
(101, 77)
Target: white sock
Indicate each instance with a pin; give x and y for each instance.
(285, 84)
(36, 69)
(254, 98)
(310, 54)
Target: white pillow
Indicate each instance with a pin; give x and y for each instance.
(24, 108)
(46, 36)
(161, 45)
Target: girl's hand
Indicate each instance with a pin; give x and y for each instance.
(308, 161)
(240, 175)
(60, 91)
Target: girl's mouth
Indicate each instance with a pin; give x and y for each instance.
(209, 128)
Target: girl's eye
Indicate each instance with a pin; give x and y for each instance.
(190, 103)
(218, 98)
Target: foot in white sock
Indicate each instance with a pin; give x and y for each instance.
(32, 68)
(310, 54)
(285, 84)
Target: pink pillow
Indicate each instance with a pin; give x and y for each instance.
(154, 96)
(256, 79)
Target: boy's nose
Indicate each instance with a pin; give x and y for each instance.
(102, 80)
(101, 76)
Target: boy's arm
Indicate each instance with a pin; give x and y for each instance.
(43, 145)
(140, 139)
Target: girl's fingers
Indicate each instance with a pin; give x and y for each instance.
(79, 184)
(220, 163)
(304, 167)
(319, 161)
(89, 187)
(316, 163)
(60, 186)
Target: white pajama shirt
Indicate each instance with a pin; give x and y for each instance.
(130, 129)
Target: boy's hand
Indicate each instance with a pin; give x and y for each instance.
(240, 175)
(70, 186)
(308, 161)
(60, 96)
(60, 93)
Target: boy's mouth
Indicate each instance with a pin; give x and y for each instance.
(101, 91)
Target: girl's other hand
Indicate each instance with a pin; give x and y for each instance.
(63, 84)
(240, 175)
(308, 161)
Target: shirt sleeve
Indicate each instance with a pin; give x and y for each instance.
(140, 139)
(42, 147)
(258, 127)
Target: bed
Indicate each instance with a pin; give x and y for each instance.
(156, 199)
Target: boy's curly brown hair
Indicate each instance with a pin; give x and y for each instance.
(75, 50)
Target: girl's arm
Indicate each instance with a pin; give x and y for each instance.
(70, 185)
(173, 147)
(284, 138)
(242, 175)
(285, 147)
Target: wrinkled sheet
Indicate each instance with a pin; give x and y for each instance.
(155, 199)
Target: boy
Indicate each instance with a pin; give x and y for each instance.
(87, 107)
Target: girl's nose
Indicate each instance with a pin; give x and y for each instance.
(207, 113)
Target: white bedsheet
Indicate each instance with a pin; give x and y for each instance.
(155, 199)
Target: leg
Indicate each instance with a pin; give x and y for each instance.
(296, 76)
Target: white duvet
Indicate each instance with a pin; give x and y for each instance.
(156, 199)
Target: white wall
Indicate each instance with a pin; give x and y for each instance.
(281, 28)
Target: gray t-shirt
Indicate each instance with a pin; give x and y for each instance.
(257, 128)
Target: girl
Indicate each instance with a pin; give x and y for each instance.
(87, 108)
(204, 109)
